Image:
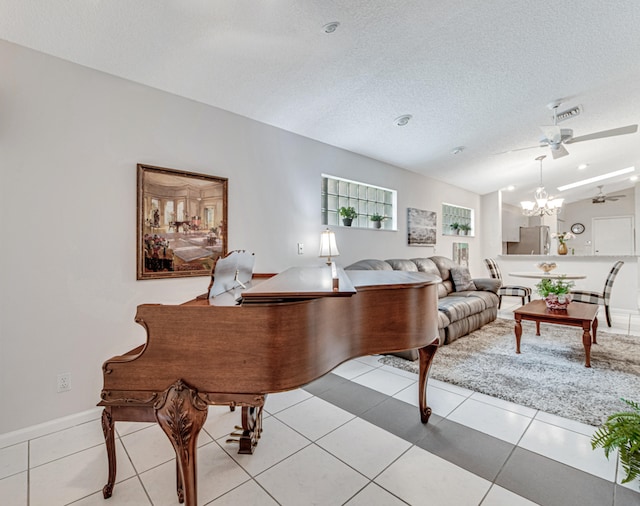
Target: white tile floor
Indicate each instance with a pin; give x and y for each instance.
(312, 452)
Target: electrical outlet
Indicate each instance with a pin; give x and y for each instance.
(64, 382)
(300, 248)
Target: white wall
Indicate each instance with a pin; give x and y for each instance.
(492, 224)
(70, 139)
(584, 211)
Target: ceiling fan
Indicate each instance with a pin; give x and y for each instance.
(601, 197)
(556, 138)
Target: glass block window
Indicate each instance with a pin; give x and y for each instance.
(451, 215)
(366, 199)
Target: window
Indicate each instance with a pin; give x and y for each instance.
(169, 214)
(366, 199)
(452, 215)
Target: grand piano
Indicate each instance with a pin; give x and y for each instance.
(277, 334)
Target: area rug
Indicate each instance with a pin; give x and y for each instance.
(548, 375)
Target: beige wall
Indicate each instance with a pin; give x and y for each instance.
(70, 139)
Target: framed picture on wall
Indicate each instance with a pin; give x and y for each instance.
(182, 222)
(461, 253)
(421, 227)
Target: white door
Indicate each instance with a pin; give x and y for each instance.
(613, 236)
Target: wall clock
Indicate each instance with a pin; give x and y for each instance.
(577, 228)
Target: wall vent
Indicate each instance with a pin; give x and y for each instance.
(569, 113)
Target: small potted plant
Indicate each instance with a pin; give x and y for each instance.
(621, 432)
(455, 227)
(464, 228)
(555, 292)
(377, 220)
(348, 215)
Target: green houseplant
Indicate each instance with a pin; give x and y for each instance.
(621, 432)
(464, 228)
(377, 219)
(348, 215)
(555, 292)
(455, 226)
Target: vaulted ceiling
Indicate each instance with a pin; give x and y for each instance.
(476, 75)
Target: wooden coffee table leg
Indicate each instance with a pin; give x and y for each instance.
(518, 330)
(586, 342)
(594, 330)
(537, 328)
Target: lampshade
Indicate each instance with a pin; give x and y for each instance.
(328, 247)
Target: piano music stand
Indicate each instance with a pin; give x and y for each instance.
(235, 269)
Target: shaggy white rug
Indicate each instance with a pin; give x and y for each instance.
(548, 375)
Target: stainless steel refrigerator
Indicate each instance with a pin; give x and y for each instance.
(533, 241)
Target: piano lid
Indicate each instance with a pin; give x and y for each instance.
(301, 283)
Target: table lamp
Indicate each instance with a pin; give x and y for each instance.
(328, 247)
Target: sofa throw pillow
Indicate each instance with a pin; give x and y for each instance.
(462, 279)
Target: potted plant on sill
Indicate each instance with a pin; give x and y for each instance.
(377, 220)
(464, 228)
(621, 432)
(555, 292)
(348, 215)
(455, 227)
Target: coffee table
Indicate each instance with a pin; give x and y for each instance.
(577, 314)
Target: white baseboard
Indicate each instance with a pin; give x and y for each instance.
(42, 429)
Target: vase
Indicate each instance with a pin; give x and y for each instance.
(562, 248)
(554, 301)
(347, 221)
(377, 224)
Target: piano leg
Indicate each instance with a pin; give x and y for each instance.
(108, 430)
(181, 413)
(251, 428)
(426, 355)
(179, 485)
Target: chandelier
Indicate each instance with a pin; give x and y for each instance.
(542, 205)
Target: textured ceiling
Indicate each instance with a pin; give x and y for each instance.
(472, 74)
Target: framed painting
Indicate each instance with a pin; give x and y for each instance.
(421, 227)
(461, 253)
(182, 222)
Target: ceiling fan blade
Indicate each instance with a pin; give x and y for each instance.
(552, 133)
(559, 151)
(629, 129)
(520, 149)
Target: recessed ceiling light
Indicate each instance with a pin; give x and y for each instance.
(457, 150)
(596, 178)
(331, 27)
(582, 166)
(633, 178)
(402, 120)
(510, 188)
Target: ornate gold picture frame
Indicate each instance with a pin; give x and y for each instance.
(182, 222)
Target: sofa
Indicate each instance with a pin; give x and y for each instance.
(464, 304)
